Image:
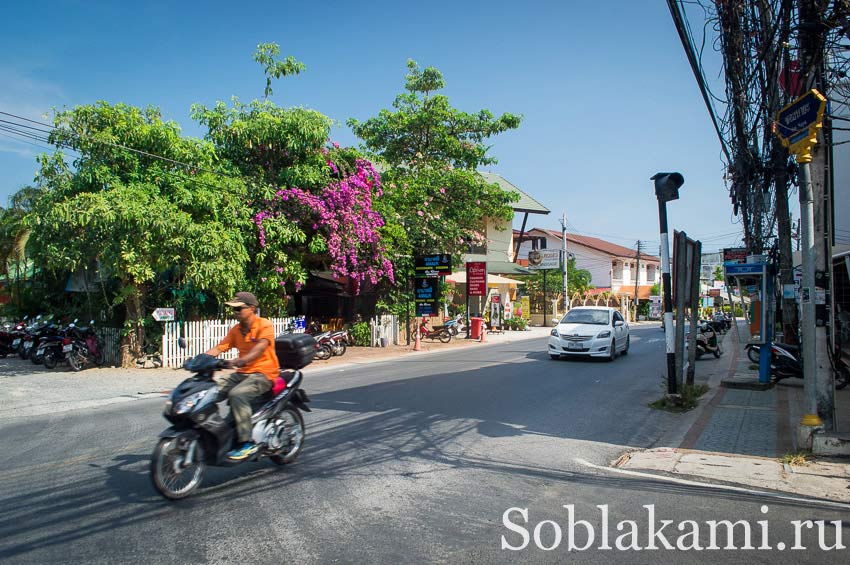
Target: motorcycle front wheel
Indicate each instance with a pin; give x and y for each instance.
(339, 349)
(75, 361)
(171, 476)
(291, 434)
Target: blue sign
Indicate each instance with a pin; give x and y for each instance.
(744, 269)
(799, 116)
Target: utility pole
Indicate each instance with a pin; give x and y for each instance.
(566, 261)
(814, 211)
(637, 278)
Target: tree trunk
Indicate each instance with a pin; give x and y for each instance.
(131, 344)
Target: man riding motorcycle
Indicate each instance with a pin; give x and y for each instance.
(256, 367)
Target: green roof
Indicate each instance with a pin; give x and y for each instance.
(526, 203)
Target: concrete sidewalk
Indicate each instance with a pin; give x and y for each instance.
(737, 436)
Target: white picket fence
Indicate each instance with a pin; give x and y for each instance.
(203, 335)
(386, 327)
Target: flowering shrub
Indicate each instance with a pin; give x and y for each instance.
(337, 219)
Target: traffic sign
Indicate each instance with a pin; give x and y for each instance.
(164, 314)
(797, 124)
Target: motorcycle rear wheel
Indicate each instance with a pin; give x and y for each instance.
(294, 428)
(323, 352)
(50, 360)
(167, 457)
(445, 336)
(753, 354)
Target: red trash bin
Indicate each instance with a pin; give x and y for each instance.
(475, 326)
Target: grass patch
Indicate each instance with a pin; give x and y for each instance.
(688, 400)
(799, 459)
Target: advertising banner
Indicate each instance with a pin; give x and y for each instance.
(476, 278)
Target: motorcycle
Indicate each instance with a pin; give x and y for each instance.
(338, 342)
(82, 347)
(199, 436)
(30, 337)
(48, 350)
(453, 325)
(707, 341)
(438, 332)
(10, 337)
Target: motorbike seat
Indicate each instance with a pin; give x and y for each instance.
(793, 349)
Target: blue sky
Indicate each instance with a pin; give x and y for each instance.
(607, 96)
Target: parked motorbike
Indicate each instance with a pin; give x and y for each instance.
(30, 337)
(454, 325)
(707, 341)
(323, 346)
(48, 350)
(438, 332)
(10, 337)
(200, 436)
(82, 347)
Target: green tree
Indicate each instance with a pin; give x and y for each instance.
(718, 273)
(267, 55)
(14, 234)
(136, 214)
(577, 279)
(434, 199)
(310, 202)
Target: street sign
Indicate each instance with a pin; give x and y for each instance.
(476, 278)
(543, 259)
(744, 269)
(797, 124)
(164, 314)
(439, 264)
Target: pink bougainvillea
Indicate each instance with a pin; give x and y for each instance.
(342, 214)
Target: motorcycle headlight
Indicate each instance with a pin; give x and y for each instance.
(606, 333)
(190, 402)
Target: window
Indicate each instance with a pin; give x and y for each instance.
(618, 317)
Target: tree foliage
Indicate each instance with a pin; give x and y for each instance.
(434, 199)
(134, 213)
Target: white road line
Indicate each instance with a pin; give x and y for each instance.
(813, 502)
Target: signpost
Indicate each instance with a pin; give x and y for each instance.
(476, 285)
(544, 260)
(735, 255)
(164, 314)
(437, 265)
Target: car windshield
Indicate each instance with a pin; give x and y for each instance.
(599, 317)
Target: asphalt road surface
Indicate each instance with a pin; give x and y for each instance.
(411, 460)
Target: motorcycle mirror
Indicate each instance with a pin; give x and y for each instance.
(91, 322)
(181, 343)
(75, 320)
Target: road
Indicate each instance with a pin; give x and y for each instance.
(411, 460)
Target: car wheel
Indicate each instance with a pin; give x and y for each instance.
(628, 340)
(612, 350)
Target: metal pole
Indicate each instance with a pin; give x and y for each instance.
(668, 299)
(566, 262)
(807, 296)
(694, 320)
(544, 298)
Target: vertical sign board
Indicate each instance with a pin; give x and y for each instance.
(476, 278)
(426, 295)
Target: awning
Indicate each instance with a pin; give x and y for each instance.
(459, 277)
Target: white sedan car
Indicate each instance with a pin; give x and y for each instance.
(596, 331)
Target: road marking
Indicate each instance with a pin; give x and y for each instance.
(809, 501)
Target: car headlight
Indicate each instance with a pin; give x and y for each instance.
(606, 333)
(190, 402)
(554, 333)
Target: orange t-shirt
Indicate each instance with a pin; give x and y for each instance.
(261, 329)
